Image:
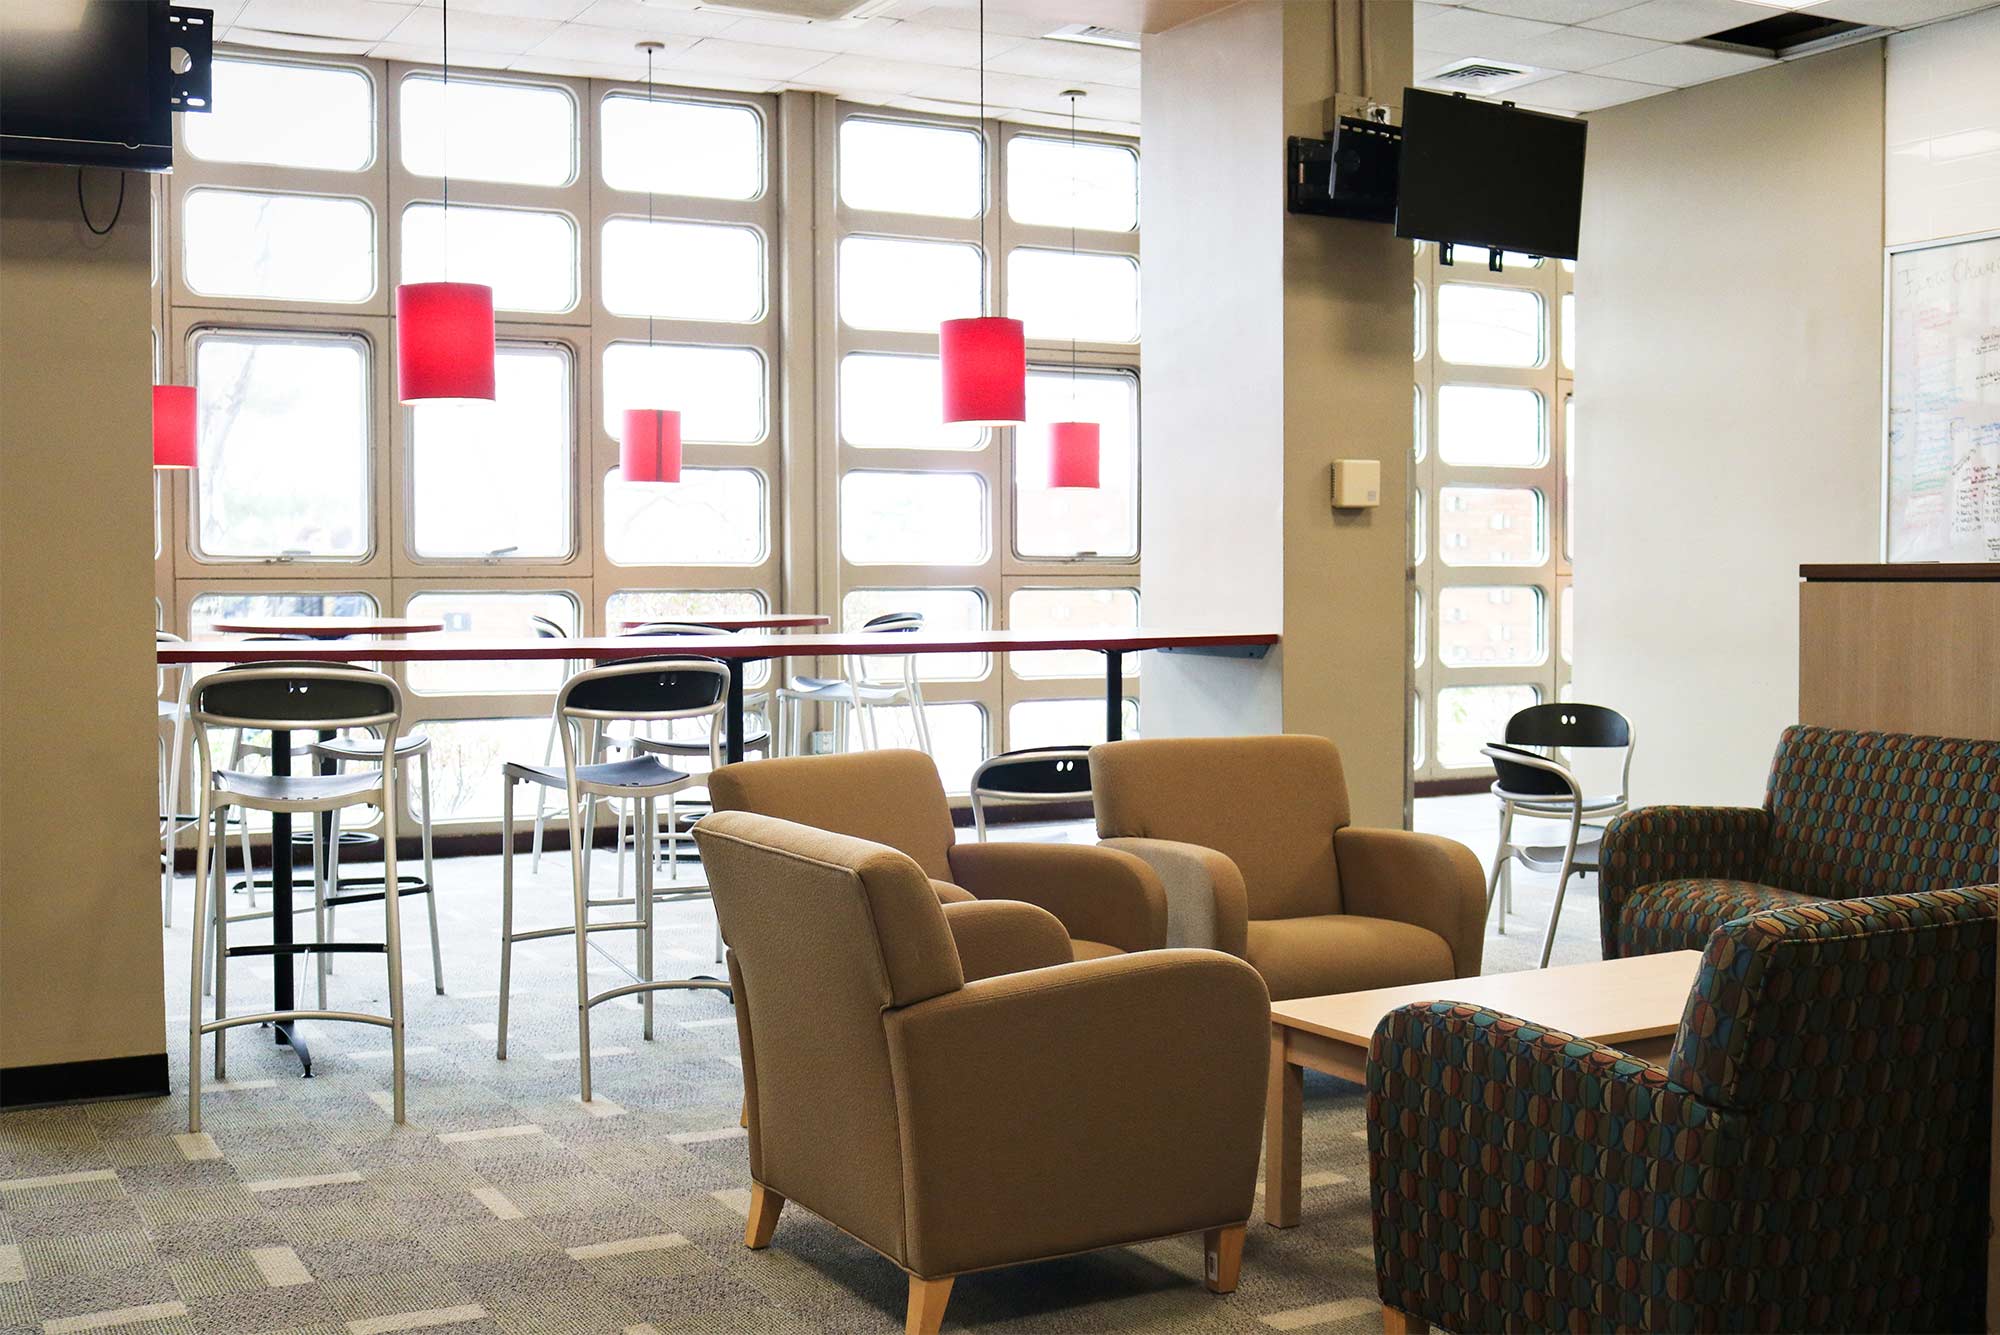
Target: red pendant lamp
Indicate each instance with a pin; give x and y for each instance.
(1073, 446)
(174, 434)
(649, 441)
(984, 360)
(444, 331)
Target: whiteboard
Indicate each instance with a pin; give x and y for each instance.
(1943, 402)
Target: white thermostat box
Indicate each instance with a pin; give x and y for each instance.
(1357, 483)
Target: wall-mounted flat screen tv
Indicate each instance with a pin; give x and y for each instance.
(86, 83)
(1482, 174)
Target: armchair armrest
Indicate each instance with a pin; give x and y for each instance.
(998, 936)
(1207, 904)
(1499, 1148)
(1056, 1111)
(1674, 843)
(1422, 879)
(1098, 893)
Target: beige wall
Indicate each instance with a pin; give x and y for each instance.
(80, 962)
(1729, 364)
(1274, 345)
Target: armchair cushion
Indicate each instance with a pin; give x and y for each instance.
(1344, 952)
(1105, 898)
(885, 797)
(1206, 905)
(1680, 915)
(1422, 879)
(1658, 844)
(996, 936)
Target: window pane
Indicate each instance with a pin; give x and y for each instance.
(894, 403)
(1071, 609)
(913, 518)
(284, 445)
(712, 516)
(493, 479)
(956, 610)
(911, 285)
(527, 256)
(1417, 320)
(1471, 716)
(1417, 731)
(497, 616)
(1489, 326)
(466, 756)
(207, 609)
(1567, 336)
(1090, 185)
(1033, 723)
(1569, 476)
(1418, 640)
(898, 167)
(1509, 259)
(718, 391)
(1491, 526)
(1094, 298)
(671, 147)
(285, 115)
(1418, 446)
(1490, 426)
(688, 605)
(1418, 547)
(1071, 521)
(239, 243)
(1566, 622)
(958, 738)
(683, 271)
(1491, 626)
(523, 134)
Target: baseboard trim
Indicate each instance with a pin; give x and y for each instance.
(94, 1081)
(1477, 783)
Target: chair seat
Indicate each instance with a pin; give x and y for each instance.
(1092, 950)
(1343, 952)
(365, 749)
(1549, 857)
(755, 735)
(169, 709)
(1683, 914)
(631, 776)
(296, 792)
(1601, 804)
(814, 688)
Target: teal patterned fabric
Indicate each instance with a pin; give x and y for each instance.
(1845, 814)
(1813, 1157)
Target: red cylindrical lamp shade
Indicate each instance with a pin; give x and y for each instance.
(444, 341)
(649, 448)
(985, 366)
(1073, 454)
(174, 442)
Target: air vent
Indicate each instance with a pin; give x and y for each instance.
(1793, 34)
(792, 11)
(1485, 77)
(1091, 35)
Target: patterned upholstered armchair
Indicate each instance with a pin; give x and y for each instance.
(1812, 1157)
(1846, 814)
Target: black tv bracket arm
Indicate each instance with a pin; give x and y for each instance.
(191, 61)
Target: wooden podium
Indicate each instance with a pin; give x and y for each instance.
(1901, 648)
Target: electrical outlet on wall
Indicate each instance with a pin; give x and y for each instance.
(822, 742)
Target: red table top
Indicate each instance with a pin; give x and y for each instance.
(749, 645)
(768, 621)
(328, 628)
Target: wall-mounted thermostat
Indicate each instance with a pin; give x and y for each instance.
(1357, 483)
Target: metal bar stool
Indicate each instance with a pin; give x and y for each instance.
(547, 628)
(330, 888)
(1034, 774)
(857, 689)
(175, 747)
(658, 690)
(291, 697)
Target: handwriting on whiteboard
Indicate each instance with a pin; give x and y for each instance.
(1944, 403)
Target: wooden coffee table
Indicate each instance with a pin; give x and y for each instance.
(1634, 1005)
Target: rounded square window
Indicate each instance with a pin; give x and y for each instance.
(897, 518)
(1089, 185)
(1419, 642)
(1566, 333)
(527, 256)
(488, 130)
(670, 146)
(1071, 608)
(958, 737)
(890, 283)
(491, 480)
(893, 402)
(280, 114)
(711, 517)
(1492, 526)
(206, 610)
(1480, 324)
(1491, 426)
(719, 392)
(958, 611)
(689, 607)
(903, 167)
(1090, 298)
(1468, 717)
(1501, 625)
(1566, 622)
(245, 243)
(466, 757)
(501, 616)
(683, 270)
(1070, 523)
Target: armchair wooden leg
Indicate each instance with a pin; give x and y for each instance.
(1395, 1322)
(927, 1300)
(1224, 1260)
(764, 1207)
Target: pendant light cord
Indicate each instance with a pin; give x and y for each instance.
(649, 197)
(444, 128)
(985, 281)
(1072, 249)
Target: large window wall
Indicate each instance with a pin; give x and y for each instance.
(805, 373)
(1490, 502)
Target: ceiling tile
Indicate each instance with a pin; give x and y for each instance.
(1075, 61)
(1586, 48)
(1682, 20)
(965, 14)
(605, 46)
(925, 43)
(1892, 13)
(657, 20)
(559, 10)
(852, 75)
(244, 35)
(472, 32)
(1467, 32)
(418, 53)
(1551, 11)
(747, 59)
(1681, 66)
(1583, 92)
(372, 20)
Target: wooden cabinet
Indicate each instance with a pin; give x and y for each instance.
(1901, 648)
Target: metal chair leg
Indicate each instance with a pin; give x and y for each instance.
(332, 881)
(393, 915)
(1562, 883)
(506, 906)
(1503, 856)
(197, 965)
(542, 799)
(320, 911)
(642, 889)
(222, 964)
(430, 872)
(579, 879)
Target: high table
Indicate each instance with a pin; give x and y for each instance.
(762, 621)
(328, 628)
(737, 651)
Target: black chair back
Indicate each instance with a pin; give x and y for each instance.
(1568, 725)
(1041, 771)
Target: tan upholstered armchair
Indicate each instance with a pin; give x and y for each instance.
(1109, 903)
(957, 1126)
(1251, 839)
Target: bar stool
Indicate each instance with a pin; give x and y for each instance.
(175, 746)
(1035, 774)
(547, 628)
(330, 887)
(291, 697)
(859, 690)
(655, 690)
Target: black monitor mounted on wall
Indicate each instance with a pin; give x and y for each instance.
(1489, 174)
(95, 83)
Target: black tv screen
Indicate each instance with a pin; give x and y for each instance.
(86, 82)
(1482, 174)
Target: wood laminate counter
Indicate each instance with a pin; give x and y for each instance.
(1901, 648)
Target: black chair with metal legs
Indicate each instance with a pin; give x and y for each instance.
(645, 691)
(1530, 781)
(1035, 774)
(291, 697)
